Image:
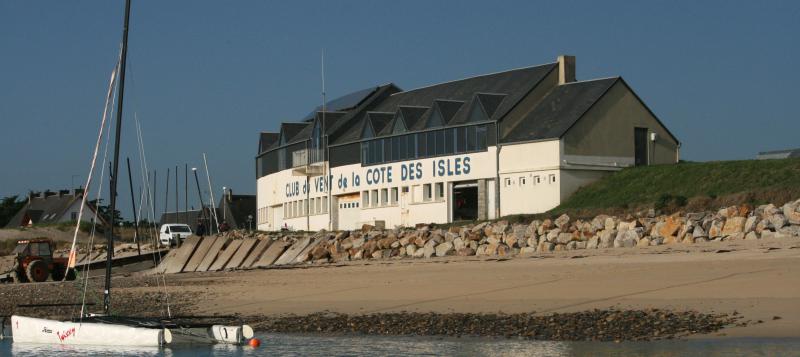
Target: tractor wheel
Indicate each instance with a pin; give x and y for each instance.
(71, 274)
(37, 271)
(20, 277)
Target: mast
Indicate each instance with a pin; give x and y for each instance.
(117, 132)
(133, 203)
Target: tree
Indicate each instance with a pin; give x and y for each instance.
(9, 206)
(102, 211)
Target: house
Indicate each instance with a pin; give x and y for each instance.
(49, 207)
(513, 142)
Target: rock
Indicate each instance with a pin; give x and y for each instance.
(716, 229)
(545, 246)
(610, 224)
(420, 242)
(503, 250)
(319, 252)
(458, 244)
(473, 244)
(767, 234)
(750, 224)
(429, 248)
(670, 227)
(777, 221)
(378, 254)
(564, 238)
(593, 242)
(644, 242)
(791, 212)
(444, 249)
(411, 249)
(418, 253)
(481, 249)
(492, 240)
(532, 242)
(357, 242)
(572, 245)
(607, 238)
(527, 251)
(790, 231)
(698, 232)
(580, 245)
(465, 252)
(562, 222)
(626, 239)
(552, 236)
(367, 228)
(358, 255)
(733, 225)
(510, 240)
(751, 236)
(736, 236)
(658, 241)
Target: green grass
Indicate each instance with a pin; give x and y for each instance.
(690, 186)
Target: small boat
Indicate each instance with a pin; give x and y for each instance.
(106, 329)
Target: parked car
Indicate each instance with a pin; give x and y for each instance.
(172, 234)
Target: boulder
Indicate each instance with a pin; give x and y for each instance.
(698, 232)
(751, 235)
(626, 239)
(492, 239)
(429, 249)
(733, 225)
(593, 242)
(716, 229)
(418, 253)
(532, 242)
(465, 252)
(564, 238)
(378, 254)
(658, 240)
(444, 249)
(777, 221)
(670, 227)
(545, 246)
(527, 251)
(750, 224)
(571, 245)
(458, 243)
(562, 222)
(553, 235)
(503, 250)
(644, 242)
(610, 224)
(357, 242)
(358, 254)
(366, 228)
(791, 211)
(607, 238)
(410, 250)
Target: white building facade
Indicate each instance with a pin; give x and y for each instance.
(513, 142)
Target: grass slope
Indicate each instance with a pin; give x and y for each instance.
(690, 186)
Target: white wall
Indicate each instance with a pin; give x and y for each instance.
(520, 165)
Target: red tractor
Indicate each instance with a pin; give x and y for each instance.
(34, 261)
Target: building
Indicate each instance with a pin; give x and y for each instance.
(512, 142)
(53, 207)
(238, 210)
(778, 154)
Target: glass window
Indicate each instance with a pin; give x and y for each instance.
(365, 198)
(324, 204)
(402, 150)
(387, 150)
(374, 196)
(439, 190)
(394, 196)
(431, 143)
(395, 148)
(440, 142)
(411, 146)
(449, 141)
(421, 147)
(426, 192)
(384, 196)
(537, 180)
(522, 180)
(472, 144)
(364, 152)
(481, 136)
(461, 139)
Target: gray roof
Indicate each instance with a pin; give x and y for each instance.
(47, 209)
(344, 103)
(235, 209)
(779, 154)
(266, 140)
(559, 110)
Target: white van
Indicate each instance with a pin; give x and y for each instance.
(173, 233)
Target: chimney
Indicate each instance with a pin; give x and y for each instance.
(566, 69)
(230, 195)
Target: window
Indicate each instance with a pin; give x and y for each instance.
(356, 204)
(311, 209)
(395, 148)
(450, 141)
(405, 189)
(387, 150)
(426, 192)
(552, 178)
(319, 205)
(440, 142)
(411, 146)
(384, 196)
(439, 190)
(472, 143)
(522, 180)
(365, 198)
(508, 182)
(74, 216)
(394, 197)
(422, 149)
(537, 180)
(431, 143)
(481, 131)
(461, 139)
(324, 204)
(374, 195)
(365, 152)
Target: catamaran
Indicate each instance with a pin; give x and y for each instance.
(105, 329)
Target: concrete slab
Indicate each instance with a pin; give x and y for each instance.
(271, 254)
(182, 255)
(241, 254)
(161, 268)
(213, 253)
(291, 254)
(303, 256)
(199, 254)
(225, 255)
(256, 253)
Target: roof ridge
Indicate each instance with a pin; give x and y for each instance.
(591, 80)
(476, 76)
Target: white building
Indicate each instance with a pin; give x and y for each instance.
(511, 142)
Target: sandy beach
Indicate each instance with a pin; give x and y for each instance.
(758, 279)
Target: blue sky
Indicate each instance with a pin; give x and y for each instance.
(207, 76)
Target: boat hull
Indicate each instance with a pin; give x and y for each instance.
(34, 330)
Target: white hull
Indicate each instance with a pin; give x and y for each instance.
(33, 330)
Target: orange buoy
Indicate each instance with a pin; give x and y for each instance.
(254, 342)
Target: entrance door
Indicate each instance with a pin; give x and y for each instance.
(640, 146)
(404, 197)
(465, 201)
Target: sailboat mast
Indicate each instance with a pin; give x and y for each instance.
(118, 131)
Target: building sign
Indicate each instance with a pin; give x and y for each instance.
(383, 175)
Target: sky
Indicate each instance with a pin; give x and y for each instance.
(208, 76)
